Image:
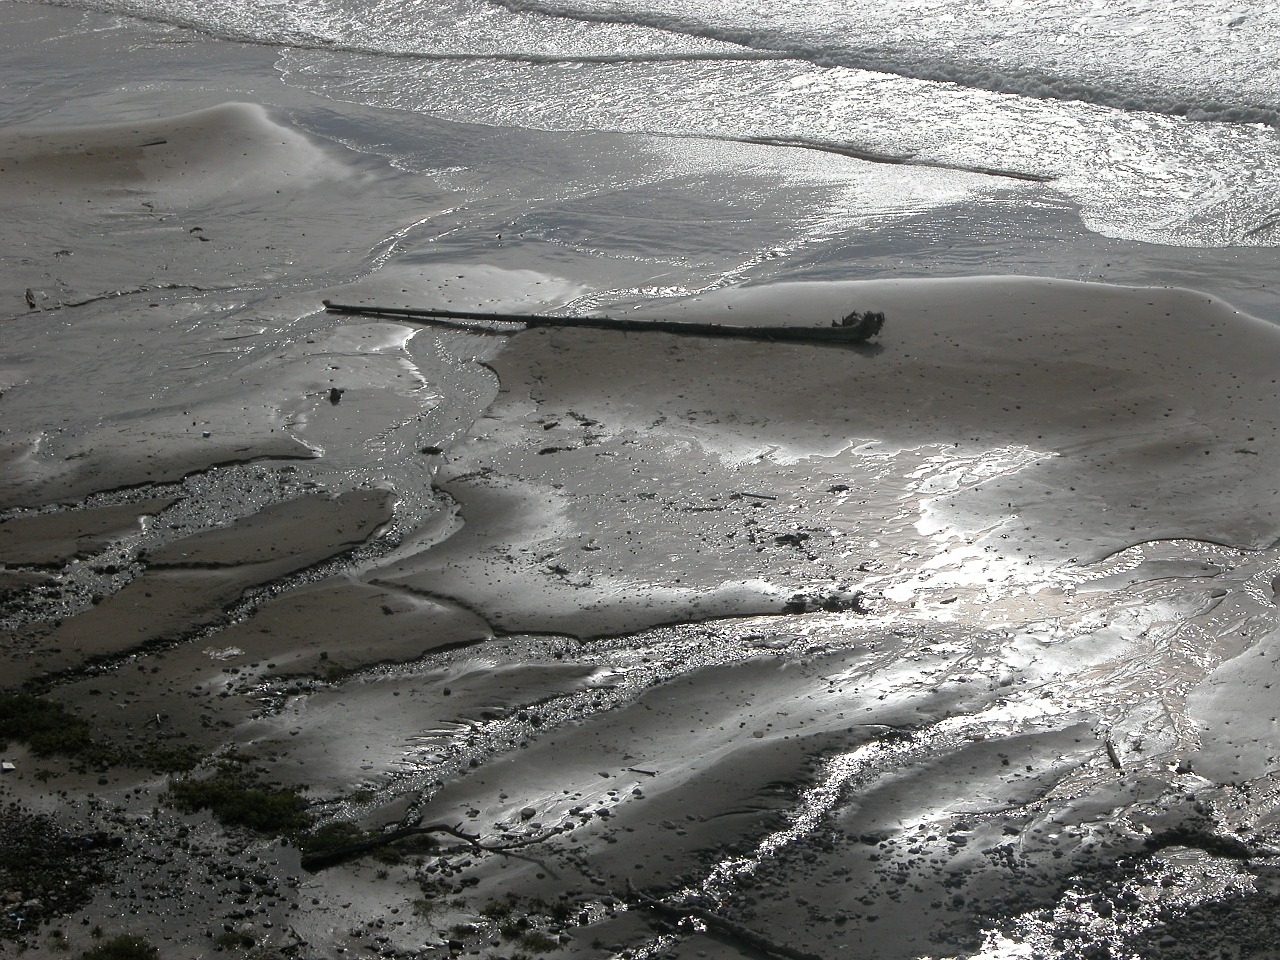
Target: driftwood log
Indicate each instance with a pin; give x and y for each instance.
(331, 856)
(854, 328)
(720, 928)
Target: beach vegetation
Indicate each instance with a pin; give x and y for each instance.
(561, 911)
(523, 920)
(539, 941)
(514, 929)
(331, 672)
(237, 798)
(123, 947)
(331, 836)
(163, 757)
(390, 855)
(48, 728)
(500, 909)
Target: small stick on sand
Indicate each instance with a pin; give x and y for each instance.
(1112, 754)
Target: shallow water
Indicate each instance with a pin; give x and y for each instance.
(1156, 121)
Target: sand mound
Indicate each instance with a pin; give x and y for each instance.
(187, 159)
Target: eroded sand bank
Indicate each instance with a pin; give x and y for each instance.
(871, 652)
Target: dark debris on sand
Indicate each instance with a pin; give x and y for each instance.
(47, 870)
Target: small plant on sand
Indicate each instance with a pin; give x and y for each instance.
(500, 909)
(164, 757)
(513, 929)
(559, 911)
(234, 939)
(237, 799)
(331, 836)
(56, 942)
(539, 941)
(122, 948)
(46, 727)
(424, 908)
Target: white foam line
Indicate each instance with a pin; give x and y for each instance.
(903, 61)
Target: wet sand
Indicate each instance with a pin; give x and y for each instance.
(888, 651)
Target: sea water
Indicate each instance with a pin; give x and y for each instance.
(1157, 120)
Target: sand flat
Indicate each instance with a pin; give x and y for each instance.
(609, 487)
(621, 594)
(187, 160)
(54, 538)
(620, 482)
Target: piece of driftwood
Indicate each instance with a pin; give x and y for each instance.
(854, 328)
(332, 856)
(719, 927)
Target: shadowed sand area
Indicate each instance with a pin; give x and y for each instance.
(884, 652)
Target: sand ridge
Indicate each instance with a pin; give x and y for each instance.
(188, 160)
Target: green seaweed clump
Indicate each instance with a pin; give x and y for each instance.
(237, 800)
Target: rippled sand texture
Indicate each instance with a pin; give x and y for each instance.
(1027, 485)
(887, 651)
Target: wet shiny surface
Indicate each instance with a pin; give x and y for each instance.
(957, 645)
